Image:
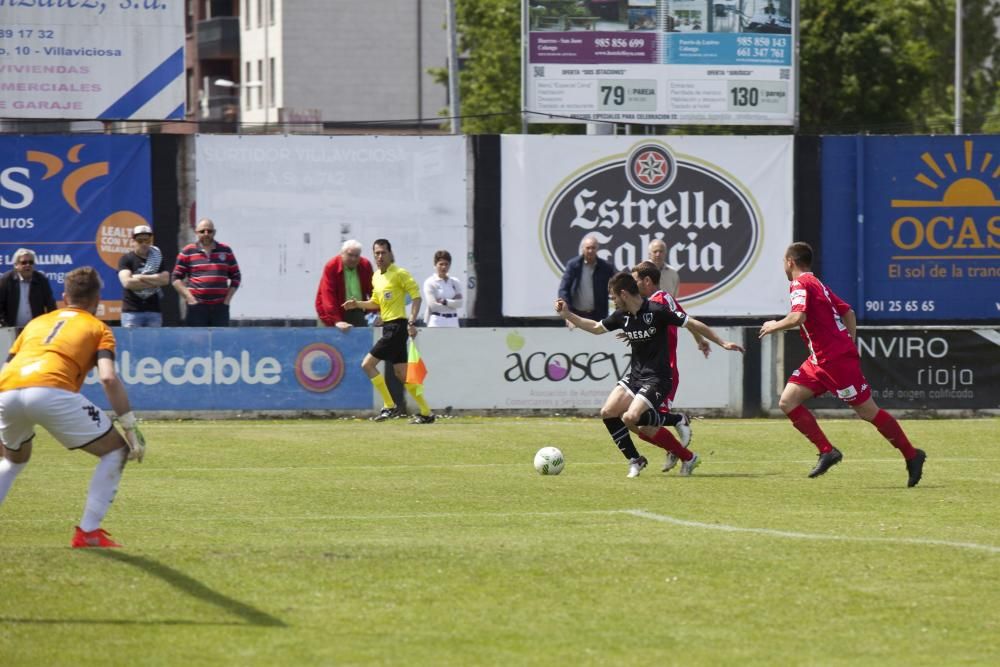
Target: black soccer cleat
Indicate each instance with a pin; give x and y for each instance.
(915, 467)
(826, 461)
(422, 419)
(388, 413)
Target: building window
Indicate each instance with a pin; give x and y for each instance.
(260, 87)
(270, 12)
(272, 83)
(260, 13)
(244, 89)
(246, 14)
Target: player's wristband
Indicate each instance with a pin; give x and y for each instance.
(128, 420)
(412, 323)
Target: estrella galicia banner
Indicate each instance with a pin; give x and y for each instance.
(74, 200)
(722, 205)
(921, 369)
(240, 369)
(92, 59)
(928, 243)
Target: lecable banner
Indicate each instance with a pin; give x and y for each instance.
(722, 205)
(100, 59)
(257, 368)
(74, 200)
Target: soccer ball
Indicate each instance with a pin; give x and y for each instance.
(549, 461)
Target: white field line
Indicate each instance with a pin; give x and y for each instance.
(642, 514)
(663, 518)
(707, 459)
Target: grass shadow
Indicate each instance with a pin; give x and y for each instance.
(97, 621)
(192, 587)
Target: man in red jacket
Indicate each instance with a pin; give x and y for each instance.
(346, 276)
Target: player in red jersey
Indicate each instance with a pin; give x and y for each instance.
(647, 277)
(828, 326)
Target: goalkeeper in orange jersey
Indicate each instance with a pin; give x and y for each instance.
(40, 386)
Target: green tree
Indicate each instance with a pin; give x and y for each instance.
(489, 37)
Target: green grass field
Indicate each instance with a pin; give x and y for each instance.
(349, 542)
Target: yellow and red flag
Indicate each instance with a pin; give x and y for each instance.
(416, 371)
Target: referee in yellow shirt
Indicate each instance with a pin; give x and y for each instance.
(390, 285)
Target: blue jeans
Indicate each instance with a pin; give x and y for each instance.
(138, 320)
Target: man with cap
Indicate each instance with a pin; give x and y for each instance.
(142, 275)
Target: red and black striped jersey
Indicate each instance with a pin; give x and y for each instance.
(209, 274)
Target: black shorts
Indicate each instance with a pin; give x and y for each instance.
(652, 389)
(391, 346)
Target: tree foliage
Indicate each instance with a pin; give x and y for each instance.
(865, 66)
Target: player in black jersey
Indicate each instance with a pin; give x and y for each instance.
(646, 326)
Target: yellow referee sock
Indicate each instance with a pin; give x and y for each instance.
(383, 391)
(417, 392)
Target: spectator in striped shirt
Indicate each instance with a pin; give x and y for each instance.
(207, 276)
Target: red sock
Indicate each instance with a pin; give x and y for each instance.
(804, 421)
(664, 439)
(643, 436)
(893, 432)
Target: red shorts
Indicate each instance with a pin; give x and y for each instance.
(842, 378)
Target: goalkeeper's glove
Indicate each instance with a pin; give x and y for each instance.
(133, 437)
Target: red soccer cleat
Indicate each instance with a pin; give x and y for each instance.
(96, 538)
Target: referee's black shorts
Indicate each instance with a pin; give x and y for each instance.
(391, 346)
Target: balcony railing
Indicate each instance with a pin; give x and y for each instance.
(219, 38)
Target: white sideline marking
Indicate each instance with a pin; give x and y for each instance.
(662, 518)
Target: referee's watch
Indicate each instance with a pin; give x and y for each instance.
(412, 323)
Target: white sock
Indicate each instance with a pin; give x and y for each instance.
(103, 487)
(8, 472)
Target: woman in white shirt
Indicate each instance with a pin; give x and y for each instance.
(442, 294)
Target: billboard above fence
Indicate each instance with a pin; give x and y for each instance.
(722, 205)
(92, 60)
(660, 63)
(286, 204)
(74, 200)
(911, 226)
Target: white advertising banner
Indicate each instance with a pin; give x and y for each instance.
(722, 205)
(286, 204)
(676, 62)
(556, 368)
(92, 59)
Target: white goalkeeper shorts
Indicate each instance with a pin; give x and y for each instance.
(71, 419)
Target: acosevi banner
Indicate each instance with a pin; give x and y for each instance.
(722, 205)
(99, 59)
(240, 369)
(552, 368)
(74, 200)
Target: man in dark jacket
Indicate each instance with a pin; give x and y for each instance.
(584, 285)
(24, 292)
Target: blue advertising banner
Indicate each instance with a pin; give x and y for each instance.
(911, 226)
(240, 369)
(74, 200)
